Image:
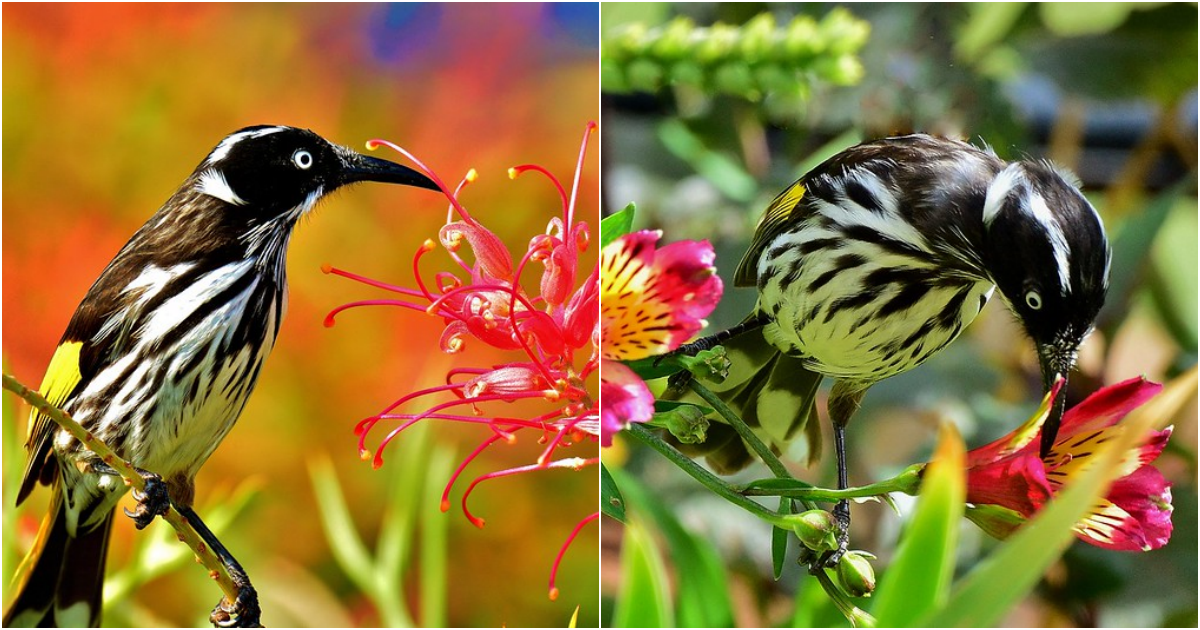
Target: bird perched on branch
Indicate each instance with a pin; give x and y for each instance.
(878, 258)
(162, 354)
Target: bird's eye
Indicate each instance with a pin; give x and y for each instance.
(1034, 300)
(302, 159)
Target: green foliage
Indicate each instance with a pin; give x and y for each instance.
(750, 61)
(380, 575)
(918, 578)
(612, 504)
(617, 225)
(702, 597)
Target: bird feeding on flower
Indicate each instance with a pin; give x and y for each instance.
(878, 258)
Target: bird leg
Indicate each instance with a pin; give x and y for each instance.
(844, 400)
(708, 343)
(153, 501)
(244, 611)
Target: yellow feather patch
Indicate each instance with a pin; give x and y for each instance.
(783, 204)
(61, 377)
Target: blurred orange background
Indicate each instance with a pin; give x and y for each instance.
(107, 108)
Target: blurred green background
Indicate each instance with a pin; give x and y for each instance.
(703, 128)
(107, 108)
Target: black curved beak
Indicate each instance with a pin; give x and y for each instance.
(1054, 363)
(361, 168)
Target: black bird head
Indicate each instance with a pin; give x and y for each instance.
(246, 196)
(1048, 255)
(278, 168)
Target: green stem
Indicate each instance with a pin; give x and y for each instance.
(857, 616)
(706, 478)
(907, 482)
(764, 453)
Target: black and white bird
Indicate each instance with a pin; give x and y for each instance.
(879, 257)
(162, 354)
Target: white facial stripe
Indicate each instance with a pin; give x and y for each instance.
(213, 183)
(1040, 212)
(996, 193)
(222, 149)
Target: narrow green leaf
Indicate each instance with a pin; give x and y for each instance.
(644, 601)
(433, 549)
(779, 540)
(918, 579)
(345, 543)
(616, 225)
(611, 501)
(1131, 248)
(722, 171)
(702, 585)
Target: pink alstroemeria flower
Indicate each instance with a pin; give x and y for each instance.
(652, 300)
(1008, 473)
(553, 333)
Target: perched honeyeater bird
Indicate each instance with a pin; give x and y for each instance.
(879, 257)
(160, 357)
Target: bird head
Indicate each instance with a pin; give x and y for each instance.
(274, 168)
(1048, 255)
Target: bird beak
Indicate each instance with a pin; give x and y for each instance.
(361, 168)
(1055, 364)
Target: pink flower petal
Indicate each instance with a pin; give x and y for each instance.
(624, 398)
(1107, 406)
(1017, 483)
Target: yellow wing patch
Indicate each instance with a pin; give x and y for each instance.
(781, 208)
(777, 217)
(61, 378)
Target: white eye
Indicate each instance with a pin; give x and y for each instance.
(302, 159)
(1034, 300)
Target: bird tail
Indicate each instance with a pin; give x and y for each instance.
(60, 581)
(772, 392)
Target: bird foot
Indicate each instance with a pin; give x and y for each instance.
(841, 514)
(244, 612)
(151, 502)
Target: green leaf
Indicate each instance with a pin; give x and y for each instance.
(611, 501)
(351, 554)
(702, 586)
(644, 601)
(1130, 249)
(434, 582)
(1174, 281)
(918, 579)
(722, 171)
(779, 540)
(616, 225)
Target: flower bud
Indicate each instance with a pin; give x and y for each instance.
(816, 529)
(855, 574)
(686, 422)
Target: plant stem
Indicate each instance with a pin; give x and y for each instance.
(857, 616)
(764, 453)
(706, 478)
(907, 482)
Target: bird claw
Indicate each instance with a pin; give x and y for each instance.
(244, 612)
(841, 513)
(151, 502)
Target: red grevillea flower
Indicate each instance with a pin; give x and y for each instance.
(652, 300)
(552, 333)
(1008, 473)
